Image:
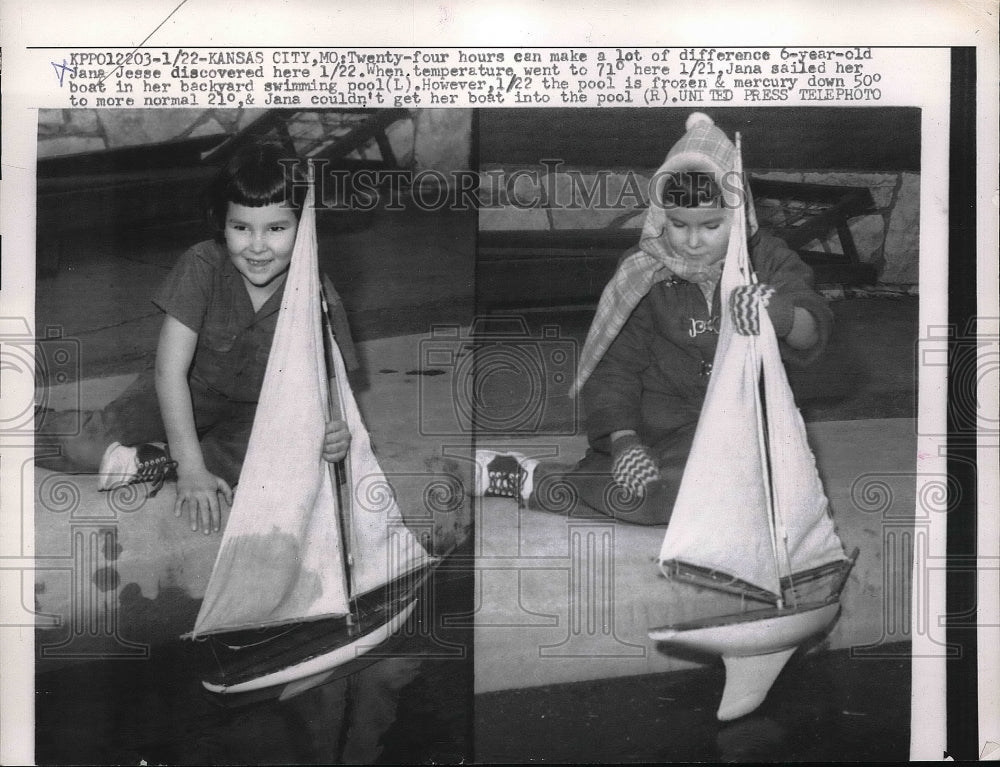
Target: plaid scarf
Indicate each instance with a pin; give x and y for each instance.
(702, 148)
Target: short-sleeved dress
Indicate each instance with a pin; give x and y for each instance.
(205, 292)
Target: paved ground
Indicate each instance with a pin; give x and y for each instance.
(568, 599)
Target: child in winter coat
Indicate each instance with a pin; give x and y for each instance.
(645, 367)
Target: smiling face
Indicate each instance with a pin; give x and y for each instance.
(260, 242)
(699, 235)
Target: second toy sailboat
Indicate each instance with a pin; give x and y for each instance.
(751, 517)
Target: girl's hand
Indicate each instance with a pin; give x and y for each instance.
(336, 441)
(199, 491)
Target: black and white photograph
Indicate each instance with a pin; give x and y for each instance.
(254, 232)
(676, 459)
(438, 385)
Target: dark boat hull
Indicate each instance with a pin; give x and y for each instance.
(253, 660)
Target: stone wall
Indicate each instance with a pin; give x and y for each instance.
(888, 238)
(438, 139)
(533, 198)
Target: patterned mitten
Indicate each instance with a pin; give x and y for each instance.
(745, 302)
(634, 467)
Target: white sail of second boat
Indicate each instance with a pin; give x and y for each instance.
(751, 506)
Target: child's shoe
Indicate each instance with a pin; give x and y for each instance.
(504, 475)
(123, 465)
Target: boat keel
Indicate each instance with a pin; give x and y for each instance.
(748, 680)
(754, 646)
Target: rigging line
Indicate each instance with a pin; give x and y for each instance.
(743, 256)
(773, 441)
(335, 405)
(343, 490)
(765, 467)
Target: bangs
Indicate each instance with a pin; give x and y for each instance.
(258, 185)
(257, 175)
(690, 189)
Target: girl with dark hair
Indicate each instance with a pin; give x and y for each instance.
(221, 303)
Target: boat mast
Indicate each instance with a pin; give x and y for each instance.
(765, 469)
(739, 229)
(340, 474)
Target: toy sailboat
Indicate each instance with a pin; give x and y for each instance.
(751, 516)
(315, 567)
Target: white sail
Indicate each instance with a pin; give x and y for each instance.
(749, 508)
(382, 546)
(282, 559)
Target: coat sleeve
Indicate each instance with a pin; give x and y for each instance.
(612, 396)
(777, 265)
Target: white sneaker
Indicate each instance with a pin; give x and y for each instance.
(123, 465)
(504, 475)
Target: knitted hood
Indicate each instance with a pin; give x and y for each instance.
(704, 148)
